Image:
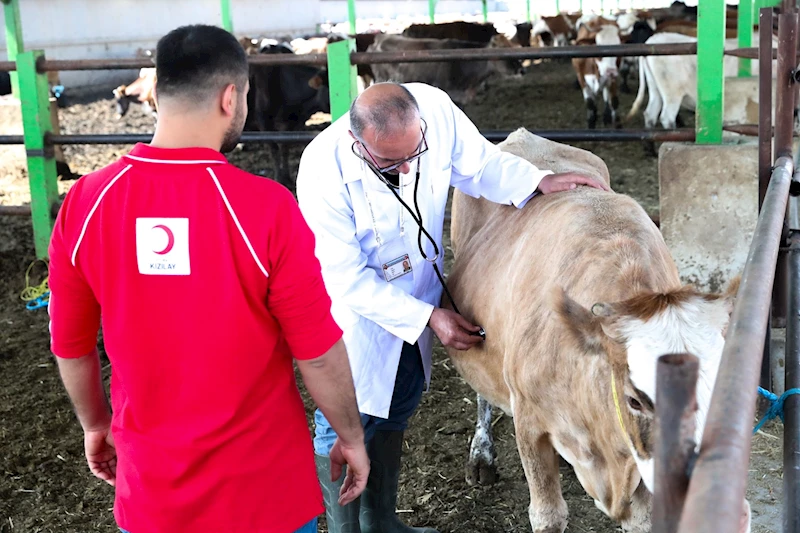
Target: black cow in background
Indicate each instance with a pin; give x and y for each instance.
(283, 98)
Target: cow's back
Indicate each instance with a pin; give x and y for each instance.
(469, 214)
(459, 79)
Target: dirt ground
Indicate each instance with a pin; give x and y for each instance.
(45, 485)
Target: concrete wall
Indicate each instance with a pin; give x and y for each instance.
(101, 29)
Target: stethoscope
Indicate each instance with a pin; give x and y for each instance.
(416, 216)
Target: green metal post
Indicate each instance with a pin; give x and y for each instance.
(351, 16)
(35, 105)
(710, 80)
(432, 10)
(342, 77)
(14, 42)
(558, 7)
(227, 15)
(744, 30)
(485, 11)
(580, 6)
(601, 7)
(528, 9)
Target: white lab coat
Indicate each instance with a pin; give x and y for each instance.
(335, 189)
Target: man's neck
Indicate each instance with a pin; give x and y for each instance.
(185, 131)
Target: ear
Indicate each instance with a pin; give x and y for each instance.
(584, 326)
(588, 39)
(229, 100)
(729, 296)
(315, 82)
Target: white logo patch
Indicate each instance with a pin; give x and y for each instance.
(162, 246)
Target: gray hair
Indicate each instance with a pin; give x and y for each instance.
(386, 116)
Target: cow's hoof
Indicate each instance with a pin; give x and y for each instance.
(480, 472)
(549, 520)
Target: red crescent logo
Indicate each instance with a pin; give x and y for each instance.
(170, 239)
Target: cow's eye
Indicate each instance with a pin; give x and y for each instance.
(634, 403)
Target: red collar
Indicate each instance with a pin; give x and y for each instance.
(176, 156)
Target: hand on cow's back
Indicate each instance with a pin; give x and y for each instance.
(454, 330)
(568, 180)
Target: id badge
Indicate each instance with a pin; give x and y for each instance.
(395, 264)
(397, 267)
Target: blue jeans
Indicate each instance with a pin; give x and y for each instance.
(311, 527)
(407, 394)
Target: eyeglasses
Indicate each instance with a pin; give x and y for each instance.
(422, 147)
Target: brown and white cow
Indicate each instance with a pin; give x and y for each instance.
(141, 90)
(579, 296)
(671, 81)
(598, 76)
(559, 30)
(459, 79)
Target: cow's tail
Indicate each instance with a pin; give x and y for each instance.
(637, 104)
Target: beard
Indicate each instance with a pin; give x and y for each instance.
(233, 133)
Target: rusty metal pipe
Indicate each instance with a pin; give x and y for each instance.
(676, 404)
(15, 210)
(791, 406)
(367, 58)
(717, 487)
(765, 133)
(624, 50)
(784, 91)
(301, 137)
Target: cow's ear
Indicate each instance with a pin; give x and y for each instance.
(584, 326)
(589, 39)
(315, 82)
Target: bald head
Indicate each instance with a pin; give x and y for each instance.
(383, 109)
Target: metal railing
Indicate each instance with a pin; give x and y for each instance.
(704, 492)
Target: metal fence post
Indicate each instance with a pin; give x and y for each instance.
(676, 404)
(227, 15)
(528, 10)
(744, 30)
(485, 11)
(351, 15)
(558, 7)
(35, 102)
(14, 43)
(432, 10)
(342, 77)
(791, 406)
(710, 80)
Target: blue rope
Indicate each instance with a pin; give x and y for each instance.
(776, 405)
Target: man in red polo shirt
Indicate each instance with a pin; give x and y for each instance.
(205, 279)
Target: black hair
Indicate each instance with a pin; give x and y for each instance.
(196, 62)
(392, 112)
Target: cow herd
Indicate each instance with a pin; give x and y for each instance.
(284, 97)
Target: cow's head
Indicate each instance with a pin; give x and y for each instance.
(508, 67)
(122, 101)
(633, 334)
(608, 35)
(320, 83)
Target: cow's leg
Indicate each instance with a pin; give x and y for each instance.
(590, 90)
(669, 113)
(624, 71)
(641, 507)
(285, 177)
(611, 102)
(275, 151)
(480, 466)
(547, 510)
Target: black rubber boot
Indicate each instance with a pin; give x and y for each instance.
(379, 499)
(340, 519)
